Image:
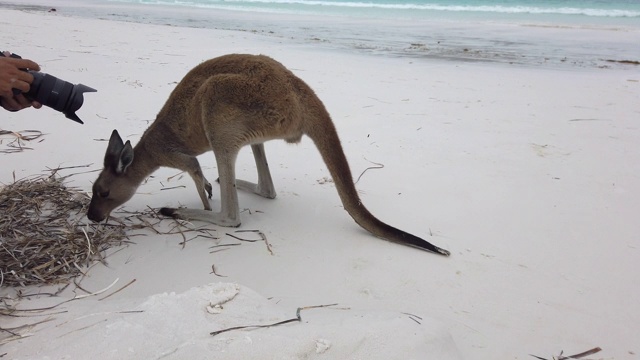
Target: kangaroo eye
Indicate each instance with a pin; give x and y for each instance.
(104, 194)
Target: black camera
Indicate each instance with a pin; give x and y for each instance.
(55, 93)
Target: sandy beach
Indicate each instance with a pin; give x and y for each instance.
(528, 175)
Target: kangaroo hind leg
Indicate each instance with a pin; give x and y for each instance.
(264, 187)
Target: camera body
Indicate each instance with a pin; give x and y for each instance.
(56, 93)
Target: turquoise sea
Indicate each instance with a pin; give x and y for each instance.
(576, 33)
(572, 11)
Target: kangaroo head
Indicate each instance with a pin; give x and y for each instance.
(114, 186)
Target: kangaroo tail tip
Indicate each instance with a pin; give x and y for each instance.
(427, 246)
(442, 252)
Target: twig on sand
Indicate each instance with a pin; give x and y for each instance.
(14, 332)
(184, 238)
(627, 62)
(576, 356)
(17, 144)
(378, 166)
(213, 270)
(94, 293)
(266, 242)
(263, 237)
(77, 297)
(54, 171)
(296, 319)
(589, 120)
(174, 187)
(414, 317)
(241, 239)
(223, 245)
(117, 291)
(178, 174)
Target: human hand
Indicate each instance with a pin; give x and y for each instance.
(12, 77)
(18, 102)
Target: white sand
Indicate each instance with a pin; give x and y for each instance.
(529, 176)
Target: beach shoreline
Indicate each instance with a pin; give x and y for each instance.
(528, 174)
(540, 44)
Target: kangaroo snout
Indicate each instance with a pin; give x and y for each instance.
(95, 218)
(94, 215)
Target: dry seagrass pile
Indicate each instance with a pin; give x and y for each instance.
(44, 235)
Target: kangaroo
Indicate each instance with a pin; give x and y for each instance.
(222, 105)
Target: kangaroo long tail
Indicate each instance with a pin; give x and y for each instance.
(325, 137)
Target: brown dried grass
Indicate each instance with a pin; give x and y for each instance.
(44, 237)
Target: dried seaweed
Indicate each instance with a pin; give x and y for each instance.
(298, 318)
(377, 166)
(46, 239)
(576, 356)
(18, 139)
(263, 237)
(43, 239)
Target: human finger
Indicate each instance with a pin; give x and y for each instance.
(23, 64)
(28, 64)
(25, 77)
(20, 84)
(22, 101)
(10, 103)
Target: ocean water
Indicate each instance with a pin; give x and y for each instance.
(565, 11)
(556, 33)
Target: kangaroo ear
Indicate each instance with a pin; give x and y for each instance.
(125, 159)
(113, 150)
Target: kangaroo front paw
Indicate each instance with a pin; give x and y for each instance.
(169, 212)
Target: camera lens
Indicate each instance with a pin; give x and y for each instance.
(48, 90)
(58, 94)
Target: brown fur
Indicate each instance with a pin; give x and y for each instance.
(223, 105)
